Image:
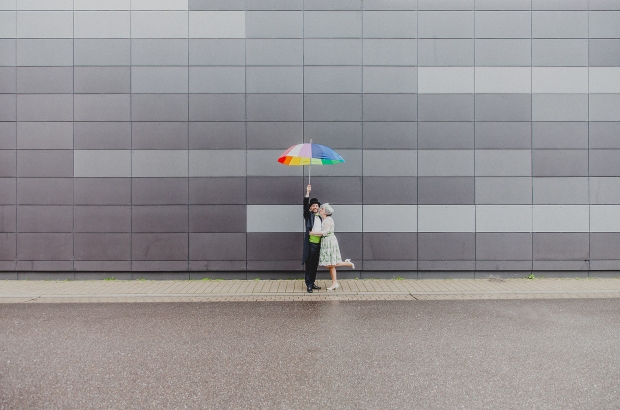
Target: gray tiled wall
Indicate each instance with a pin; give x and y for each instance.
(481, 136)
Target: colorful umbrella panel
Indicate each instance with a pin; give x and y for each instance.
(310, 154)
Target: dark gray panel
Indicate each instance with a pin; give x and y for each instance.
(559, 52)
(102, 52)
(221, 51)
(604, 163)
(45, 163)
(102, 218)
(230, 190)
(7, 79)
(8, 52)
(102, 247)
(102, 135)
(44, 247)
(446, 246)
(603, 5)
(503, 107)
(446, 135)
(604, 52)
(46, 266)
(267, 246)
(8, 133)
(446, 190)
(8, 111)
(45, 135)
(604, 246)
(504, 246)
(559, 162)
(102, 107)
(290, 267)
(390, 135)
(45, 52)
(217, 246)
(268, 24)
(390, 190)
(161, 51)
(217, 269)
(560, 135)
(217, 218)
(102, 191)
(217, 135)
(504, 135)
(274, 107)
(271, 135)
(43, 218)
(332, 4)
(346, 52)
(161, 218)
(284, 52)
(446, 5)
(503, 52)
(337, 190)
(390, 107)
(159, 191)
(8, 246)
(445, 52)
(44, 107)
(8, 193)
(561, 246)
(159, 246)
(7, 218)
(604, 135)
(159, 135)
(98, 270)
(386, 269)
(446, 107)
(401, 246)
(351, 247)
(332, 107)
(337, 135)
(44, 191)
(195, 5)
(57, 80)
(560, 268)
(454, 268)
(159, 107)
(171, 268)
(8, 160)
(274, 190)
(94, 80)
(274, 4)
(217, 107)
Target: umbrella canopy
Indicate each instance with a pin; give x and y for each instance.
(310, 154)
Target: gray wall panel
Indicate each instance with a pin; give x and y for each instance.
(8, 163)
(102, 218)
(217, 218)
(604, 52)
(231, 190)
(9, 222)
(446, 107)
(159, 218)
(390, 135)
(216, 107)
(503, 190)
(332, 107)
(159, 246)
(8, 80)
(273, 52)
(398, 246)
(102, 107)
(221, 51)
(445, 52)
(561, 246)
(45, 135)
(8, 52)
(390, 24)
(504, 246)
(217, 246)
(446, 246)
(604, 135)
(503, 107)
(95, 80)
(44, 163)
(560, 52)
(274, 24)
(8, 194)
(102, 247)
(445, 190)
(390, 190)
(446, 135)
(503, 52)
(560, 135)
(503, 24)
(165, 52)
(332, 51)
(41, 218)
(45, 247)
(99, 52)
(504, 135)
(393, 52)
(217, 135)
(159, 135)
(44, 191)
(448, 24)
(270, 190)
(274, 107)
(335, 24)
(102, 135)
(44, 107)
(45, 52)
(102, 191)
(336, 134)
(390, 107)
(559, 163)
(159, 191)
(159, 107)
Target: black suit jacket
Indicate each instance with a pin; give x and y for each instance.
(308, 223)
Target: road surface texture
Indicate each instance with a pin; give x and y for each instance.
(419, 354)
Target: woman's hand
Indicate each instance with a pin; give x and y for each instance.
(308, 189)
(316, 233)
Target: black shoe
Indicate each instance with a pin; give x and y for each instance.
(315, 286)
(310, 289)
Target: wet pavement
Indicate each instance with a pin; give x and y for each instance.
(434, 354)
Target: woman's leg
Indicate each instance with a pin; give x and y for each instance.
(349, 264)
(332, 273)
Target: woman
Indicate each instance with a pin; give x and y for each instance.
(330, 251)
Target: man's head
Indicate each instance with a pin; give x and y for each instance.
(314, 205)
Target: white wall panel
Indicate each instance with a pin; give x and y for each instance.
(445, 80)
(159, 163)
(561, 218)
(159, 24)
(566, 80)
(503, 218)
(44, 24)
(102, 24)
(217, 24)
(446, 218)
(604, 80)
(274, 218)
(507, 80)
(604, 218)
(101, 163)
(390, 218)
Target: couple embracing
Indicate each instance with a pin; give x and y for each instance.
(320, 244)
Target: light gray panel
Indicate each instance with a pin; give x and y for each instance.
(388, 5)
(102, 163)
(604, 135)
(504, 190)
(274, 79)
(604, 162)
(559, 24)
(390, 24)
(503, 135)
(44, 107)
(274, 24)
(221, 51)
(446, 162)
(217, 107)
(379, 163)
(332, 107)
(390, 107)
(605, 191)
(560, 52)
(332, 51)
(561, 246)
(604, 107)
(603, 52)
(7, 80)
(496, 162)
(159, 107)
(272, 4)
(391, 135)
(332, 4)
(560, 135)
(224, 80)
(445, 52)
(509, 246)
(396, 80)
(45, 24)
(273, 135)
(333, 24)
(159, 135)
(565, 190)
(503, 52)
(445, 190)
(197, 5)
(45, 52)
(604, 5)
(503, 107)
(8, 52)
(102, 107)
(95, 80)
(446, 5)
(264, 163)
(332, 80)
(159, 51)
(102, 24)
(559, 107)
(217, 135)
(559, 162)
(604, 24)
(102, 135)
(275, 107)
(102, 52)
(52, 80)
(275, 52)
(335, 134)
(44, 135)
(392, 52)
(159, 163)
(446, 135)
(8, 110)
(559, 4)
(8, 133)
(445, 24)
(446, 107)
(162, 80)
(503, 24)
(503, 5)
(446, 246)
(160, 24)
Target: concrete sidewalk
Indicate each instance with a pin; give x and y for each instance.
(97, 291)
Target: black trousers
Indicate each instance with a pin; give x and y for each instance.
(312, 263)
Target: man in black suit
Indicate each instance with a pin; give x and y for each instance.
(312, 243)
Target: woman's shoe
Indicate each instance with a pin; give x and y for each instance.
(336, 286)
(349, 261)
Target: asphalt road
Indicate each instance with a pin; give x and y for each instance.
(493, 354)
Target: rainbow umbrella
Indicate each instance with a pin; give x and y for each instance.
(310, 154)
